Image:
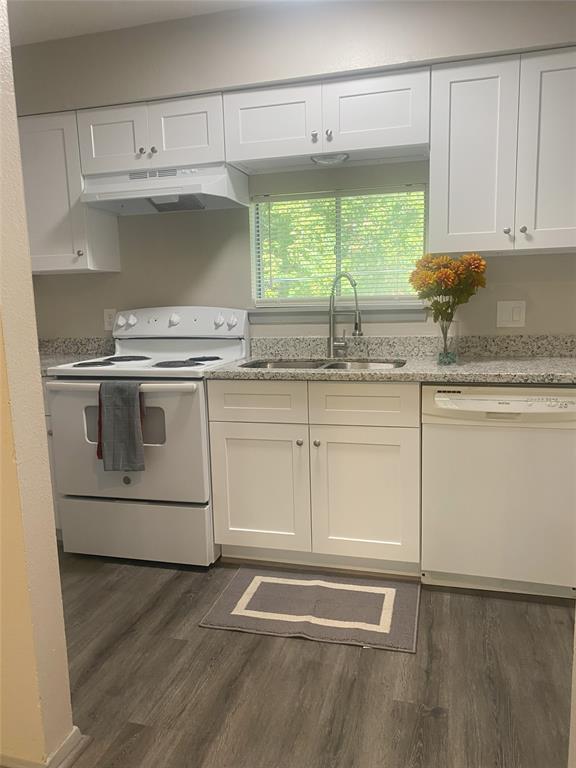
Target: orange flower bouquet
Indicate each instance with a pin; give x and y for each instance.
(447, 282)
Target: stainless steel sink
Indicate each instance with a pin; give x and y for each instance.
(335, 365)
(271, 364)
(364, 365)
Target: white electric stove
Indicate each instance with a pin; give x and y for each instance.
(163, 513)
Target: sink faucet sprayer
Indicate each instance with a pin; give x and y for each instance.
(335, 344)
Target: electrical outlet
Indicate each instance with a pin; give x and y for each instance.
(510, 314)
(109, 316)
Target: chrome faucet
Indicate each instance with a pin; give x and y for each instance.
(336, 345)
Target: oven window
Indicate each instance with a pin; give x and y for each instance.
(153, 425)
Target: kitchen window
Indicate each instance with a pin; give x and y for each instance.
(300, 242)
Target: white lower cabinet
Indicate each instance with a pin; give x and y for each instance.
(333, 489)
(261, 485)
(366, 492)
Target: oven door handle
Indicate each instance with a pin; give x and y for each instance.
(93, 386)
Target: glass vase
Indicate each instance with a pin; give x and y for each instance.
(446, 356)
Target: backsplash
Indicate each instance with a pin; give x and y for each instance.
(86, 346)
(302, 347)
(545, 345)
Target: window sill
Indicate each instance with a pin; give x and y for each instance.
(393, 311)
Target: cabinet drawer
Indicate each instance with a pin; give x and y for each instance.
(365, 404)
(278, 402)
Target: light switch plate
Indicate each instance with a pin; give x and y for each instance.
(109, 315)
(511, 314)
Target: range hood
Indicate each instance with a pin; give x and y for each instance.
(208, 187)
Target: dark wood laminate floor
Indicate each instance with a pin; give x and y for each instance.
(488, 688)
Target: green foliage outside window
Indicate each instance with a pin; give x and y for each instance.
(301, 243)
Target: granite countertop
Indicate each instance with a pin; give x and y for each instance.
(537, 370)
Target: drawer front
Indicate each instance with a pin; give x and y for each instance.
(365, 404)
(276, 402)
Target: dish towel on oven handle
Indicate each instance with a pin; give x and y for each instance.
(120, 414)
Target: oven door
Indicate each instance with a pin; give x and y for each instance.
(175, 444)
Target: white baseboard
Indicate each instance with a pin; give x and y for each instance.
(64, 757)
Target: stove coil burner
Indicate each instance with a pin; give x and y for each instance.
(93, 364)
(126, 358)
(205, 359)
(176, 364)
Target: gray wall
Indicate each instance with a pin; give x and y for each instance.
(204, 258)
(280, 41)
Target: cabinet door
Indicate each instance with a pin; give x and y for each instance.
(366, 492)
(52, 188)
(546, 189)
(474, 122)
(186, 131)
(111, 138)
(273, 122)
(261, 485)
(376, 112)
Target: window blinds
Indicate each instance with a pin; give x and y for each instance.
(300, 243)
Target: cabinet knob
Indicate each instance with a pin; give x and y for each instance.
(329, 134)
(79, 252)
(299, 443)
(314, 136)
(507, 230)
(317, 443)
(153, 150)
(141, 151)
(50, 433)
(524, 229)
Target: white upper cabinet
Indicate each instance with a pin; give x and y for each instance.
(370, 114)
(185, 131)
(154, 135)
(503, 154)
(273, 122)
(64, 234)
(473, 155)
(113, 138)
(390, 110)
(546, 189)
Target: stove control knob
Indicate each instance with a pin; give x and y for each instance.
(132, 320)
(120, 321)
(232, 323)
(219, 322)
(174, 319)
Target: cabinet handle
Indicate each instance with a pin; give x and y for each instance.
(329, 134)
(141, 151)
(507, 230)
(317, 443)
(314, 136)
(299, 443)
(50, 433)
(524, 229)
(153, 150)
(79, 252)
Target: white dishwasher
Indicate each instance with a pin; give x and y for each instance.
(499, 488)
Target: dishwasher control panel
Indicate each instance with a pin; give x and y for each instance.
(476, 404)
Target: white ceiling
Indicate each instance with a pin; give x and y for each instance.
(32, 21)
